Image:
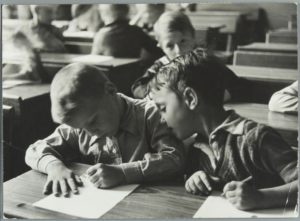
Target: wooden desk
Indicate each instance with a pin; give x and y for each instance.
(266, 59)
(32, 118)
(122, 71)
(265, 81)
(276, 75)
(270, 47)
(285, 124)
(282, 36)
(155, 201)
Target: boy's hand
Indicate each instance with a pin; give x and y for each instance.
(242, 195)
(106, 176)
(199, 182)
(61, 180)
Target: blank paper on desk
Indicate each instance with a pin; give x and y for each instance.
(91, 202)
(216, 206)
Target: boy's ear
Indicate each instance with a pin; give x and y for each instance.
(190, 98)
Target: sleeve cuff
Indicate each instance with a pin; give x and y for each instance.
(45, 161)
(132, 172)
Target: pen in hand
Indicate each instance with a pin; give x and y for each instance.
(247, 180)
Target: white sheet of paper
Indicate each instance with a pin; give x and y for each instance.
(92, 58)
(216, 206)
(90, 203)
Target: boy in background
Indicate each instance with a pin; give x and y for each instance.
(176, 36)
(85, 18)
(123, 138)
(147, 15)
(119, 39)
(43, 36)
(230, 148)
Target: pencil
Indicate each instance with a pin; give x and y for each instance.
(246, 180)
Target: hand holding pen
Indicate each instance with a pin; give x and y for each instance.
(242, 194)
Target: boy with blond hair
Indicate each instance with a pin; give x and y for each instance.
(123, 138)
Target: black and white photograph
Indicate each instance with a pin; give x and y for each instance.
(156, 110)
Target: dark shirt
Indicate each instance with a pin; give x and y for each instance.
(242, 147)
(119, 39)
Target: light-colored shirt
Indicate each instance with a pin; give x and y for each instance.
(149, 151)
(285, 100)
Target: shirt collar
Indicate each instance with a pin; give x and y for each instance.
(233, 124)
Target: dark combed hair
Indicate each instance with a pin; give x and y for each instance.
(199, 70)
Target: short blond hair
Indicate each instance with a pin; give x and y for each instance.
(74, 84)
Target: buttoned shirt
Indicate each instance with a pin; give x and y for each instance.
(242, 148)
(147, 150)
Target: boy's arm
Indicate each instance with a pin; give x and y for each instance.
(60, 146)
(274, 156)
(285, 100)
(98, 42)
(139, 87)
(166, 157)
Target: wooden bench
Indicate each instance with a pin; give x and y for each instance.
(282, 36)
(266, 59)
(286, 125)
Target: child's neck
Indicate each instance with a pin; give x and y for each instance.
(210, 120)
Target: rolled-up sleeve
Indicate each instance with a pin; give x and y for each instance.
(285, 100)
(277, 156)
(61, 145)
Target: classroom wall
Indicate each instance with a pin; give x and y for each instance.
(278, 13)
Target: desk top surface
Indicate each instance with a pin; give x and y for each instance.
(147, 201)
(27, 91)
(270, 47)
(66, 58)
(261, 114)
(266, 74)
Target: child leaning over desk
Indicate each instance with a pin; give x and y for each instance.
(230, 148)
(124, 138)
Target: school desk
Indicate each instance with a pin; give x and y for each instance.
(158, 200)
(80, 42)
(32, 118)
(121, 71)
(285, 124)
(265, 81)
(270, 47)
(282, 36)
(266, 59)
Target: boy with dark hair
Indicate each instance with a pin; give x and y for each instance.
(230, 148)
(119, 39)
(123, 138)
